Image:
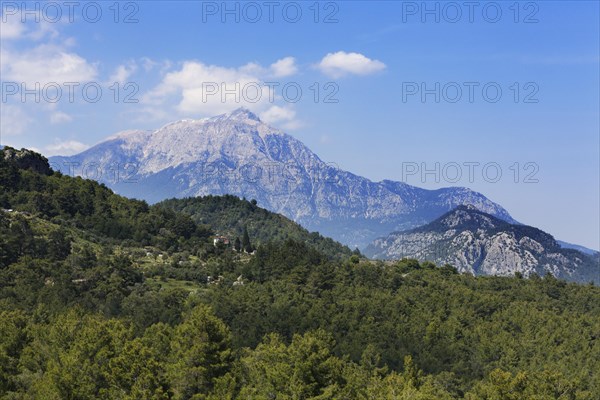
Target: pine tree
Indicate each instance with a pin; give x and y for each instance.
(246, 245)
(200, 353)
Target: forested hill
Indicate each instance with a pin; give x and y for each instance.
(29, 185)
(229, 215)
(102, 297)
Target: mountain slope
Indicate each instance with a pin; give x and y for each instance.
(480, 243)
(229, 215)
(240, 155)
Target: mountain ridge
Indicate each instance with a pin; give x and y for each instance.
(479, 243)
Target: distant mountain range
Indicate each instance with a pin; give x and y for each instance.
(238, 154)
(479, 243)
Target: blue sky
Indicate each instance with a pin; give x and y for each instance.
(373, 58)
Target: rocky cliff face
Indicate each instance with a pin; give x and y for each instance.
(479, 243)
(25, 159)
(239, 154)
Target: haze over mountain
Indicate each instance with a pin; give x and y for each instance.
(479, 243)
(238, 154)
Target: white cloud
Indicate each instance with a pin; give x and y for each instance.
(341, 63)
(45, 29)
(65, 148)
(13, 120)
(34, 28)
(201, 89)
(60, 117)
(283, 117)
(277, 114)
(11, 27)
(149, 64)
(36, 52)
(123, 73)
(195, 89)
(284, 67)
(252, 69)
(45, 64)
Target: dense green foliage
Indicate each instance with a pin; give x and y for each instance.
(91, 312)
(231, 216)
(90, 206)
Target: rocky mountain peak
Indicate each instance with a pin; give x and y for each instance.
(479, 243)
(464, 217)
(241, 114)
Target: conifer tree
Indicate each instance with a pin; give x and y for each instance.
(246, 245)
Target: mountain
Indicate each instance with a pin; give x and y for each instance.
(479, 243)
(238, 154)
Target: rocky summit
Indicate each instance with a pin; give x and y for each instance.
(481, 244)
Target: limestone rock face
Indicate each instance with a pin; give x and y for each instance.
(479, 243)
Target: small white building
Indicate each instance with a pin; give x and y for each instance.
(221, 239)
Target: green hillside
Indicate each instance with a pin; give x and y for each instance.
(102, 297)
(229, 215)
